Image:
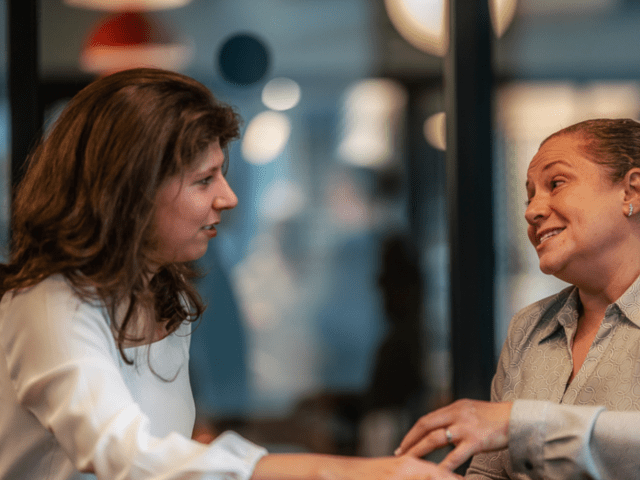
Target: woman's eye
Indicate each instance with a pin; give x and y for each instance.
(555, 183)
(206, 180)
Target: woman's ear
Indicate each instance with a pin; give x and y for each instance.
(632, 187)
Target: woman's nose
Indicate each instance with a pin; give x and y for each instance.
(226, 198)
(536, 210)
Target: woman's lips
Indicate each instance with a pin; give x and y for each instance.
(548, 234)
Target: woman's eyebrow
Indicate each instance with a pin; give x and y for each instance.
(547, 167)
(551, 164)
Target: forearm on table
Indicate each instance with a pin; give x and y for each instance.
(290, 467)
(329, 467)
(323, 467)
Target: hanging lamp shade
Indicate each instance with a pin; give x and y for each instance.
(127, 5)
(129, 40)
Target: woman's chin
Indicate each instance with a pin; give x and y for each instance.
(560, 272)
(549, 267)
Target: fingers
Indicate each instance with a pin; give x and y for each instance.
(423, 436)
(427, 444)
(456, 457)
(474, 426)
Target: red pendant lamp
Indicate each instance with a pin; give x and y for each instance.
(132, 39)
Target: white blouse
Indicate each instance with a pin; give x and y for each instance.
(70, 404)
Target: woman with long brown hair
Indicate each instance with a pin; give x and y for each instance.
(95, 318)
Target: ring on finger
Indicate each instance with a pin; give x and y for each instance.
(449, 436)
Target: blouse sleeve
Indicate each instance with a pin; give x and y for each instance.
(552, 441)
(60, 356)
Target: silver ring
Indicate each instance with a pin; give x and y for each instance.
(449, 436)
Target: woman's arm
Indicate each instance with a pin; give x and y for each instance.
(62, 367)
(329, 467)
(552, 441)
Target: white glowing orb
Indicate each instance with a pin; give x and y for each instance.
(435, 130)
(372, 113)
(422, 23)
(501, 13)
(265, 137)
(281, 94)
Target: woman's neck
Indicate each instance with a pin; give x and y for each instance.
(602, 286)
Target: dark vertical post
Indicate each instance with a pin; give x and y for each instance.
(26, 113)
(467, 90)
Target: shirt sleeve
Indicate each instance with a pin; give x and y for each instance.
(60, 356)
(552, 441)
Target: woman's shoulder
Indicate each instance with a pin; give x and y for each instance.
(52, 298)
(546, 303)
(52, 319)
(533, 315)
(54, 287)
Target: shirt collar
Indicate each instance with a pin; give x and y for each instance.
(629, 303)
(562, 313)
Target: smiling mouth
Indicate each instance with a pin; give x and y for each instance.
(209, 227)
(549, 234)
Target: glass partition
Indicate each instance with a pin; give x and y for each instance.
(5, 135)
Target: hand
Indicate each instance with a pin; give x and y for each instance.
(390, 468)
(475, 427)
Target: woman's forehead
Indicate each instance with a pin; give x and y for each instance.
(210, 157)
(566, 151)
(570, 148)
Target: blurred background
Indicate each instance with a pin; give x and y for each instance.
(332, 324)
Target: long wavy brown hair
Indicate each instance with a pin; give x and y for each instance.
(85, 205)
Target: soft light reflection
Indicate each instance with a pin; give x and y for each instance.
(282, 200)
(422, 23)
(264, 284)
(281, 94)
(612, 100)
(501, 13)
(348, 207)
(536, 110)
(265, 137)
(270, 294)
(372, 113)
(435, 130)
(278, 375)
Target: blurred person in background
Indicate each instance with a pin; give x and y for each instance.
(394, 397)
(97, 305)
(573, 359)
